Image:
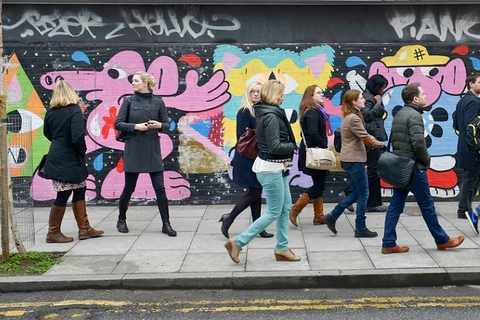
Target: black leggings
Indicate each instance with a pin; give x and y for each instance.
(62, 196)
(316, 190)
(131, 182)
(252, 199)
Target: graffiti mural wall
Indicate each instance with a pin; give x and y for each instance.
(202, 64)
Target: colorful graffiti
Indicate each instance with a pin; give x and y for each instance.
(202, 88)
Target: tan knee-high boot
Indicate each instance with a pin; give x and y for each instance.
(54, 234)
(85, 231)
(318, 211)
(298, 207)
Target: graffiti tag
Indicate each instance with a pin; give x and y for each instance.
(84, 22)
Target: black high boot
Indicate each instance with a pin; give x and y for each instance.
(165, 215)
(122, 216)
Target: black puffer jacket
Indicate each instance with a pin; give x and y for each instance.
(373, 116)
(274, 135)
(65, 128)
(408, 135)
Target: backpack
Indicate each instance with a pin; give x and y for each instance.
(337, 140)
(473, 135)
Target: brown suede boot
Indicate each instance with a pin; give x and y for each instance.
(318, 211)
(54, 234)
(84, 229)
(298, 207)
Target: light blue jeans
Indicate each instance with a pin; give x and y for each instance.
(279, 201)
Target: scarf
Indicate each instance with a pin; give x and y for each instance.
(323, 111)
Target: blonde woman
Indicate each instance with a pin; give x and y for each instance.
(276, 144)
(242, 166)
(64, 126)
(147, 116)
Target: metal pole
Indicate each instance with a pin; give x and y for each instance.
(4, 183)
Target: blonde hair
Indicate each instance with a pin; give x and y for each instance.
(63, 95)
(147, 78)
(272, 90)
(246, 102)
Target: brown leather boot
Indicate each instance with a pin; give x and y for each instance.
(54, 234)
(318, 211)
(298, 207)
(84, 229)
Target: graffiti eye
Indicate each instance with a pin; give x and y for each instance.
(58, 78)
(117, 73)
(430, 71)
(405, 72)
(290, 84)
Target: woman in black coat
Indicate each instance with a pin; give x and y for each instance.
(373, 114)
(242, 166)
(313, 121)
(141, 118)
(64, 126)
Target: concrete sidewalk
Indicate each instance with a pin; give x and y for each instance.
(147, 259)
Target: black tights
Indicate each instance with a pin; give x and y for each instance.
(252, 199)
(62, 196)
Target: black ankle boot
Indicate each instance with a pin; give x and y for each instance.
(167, 228)
(265, 234)
(122, 226)
(226, 223)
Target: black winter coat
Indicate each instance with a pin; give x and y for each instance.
(408, 138)
(373, 116)
(274, 135)
(314, 131)
(142, 148)
(242, 166)
(468, 108)
(65, 128)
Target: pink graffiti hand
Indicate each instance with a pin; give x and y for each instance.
(42, 189)
(176, 186)
(91, 194)
(199, 98)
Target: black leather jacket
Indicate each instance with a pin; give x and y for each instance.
(274, 135)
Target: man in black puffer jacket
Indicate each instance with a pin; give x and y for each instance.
(408, 141)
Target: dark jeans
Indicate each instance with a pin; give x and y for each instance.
(374, 187)
(358, 178)
(131, 182)
(468, 189)
(421, 190)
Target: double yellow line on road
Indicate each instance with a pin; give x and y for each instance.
(17, 309)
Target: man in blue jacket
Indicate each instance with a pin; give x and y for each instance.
(467, 110)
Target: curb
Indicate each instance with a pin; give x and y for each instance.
(337, 279)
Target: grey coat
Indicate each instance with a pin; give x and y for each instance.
(142, 148)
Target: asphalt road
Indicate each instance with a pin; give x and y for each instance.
(396, 303)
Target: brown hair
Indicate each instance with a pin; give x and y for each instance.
(307, 100)
(347, 102)
(410, 91)
(471, 78)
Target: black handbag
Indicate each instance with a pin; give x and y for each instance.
(121, 135)
(396, 170)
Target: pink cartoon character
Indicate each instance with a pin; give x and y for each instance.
(112, 85)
